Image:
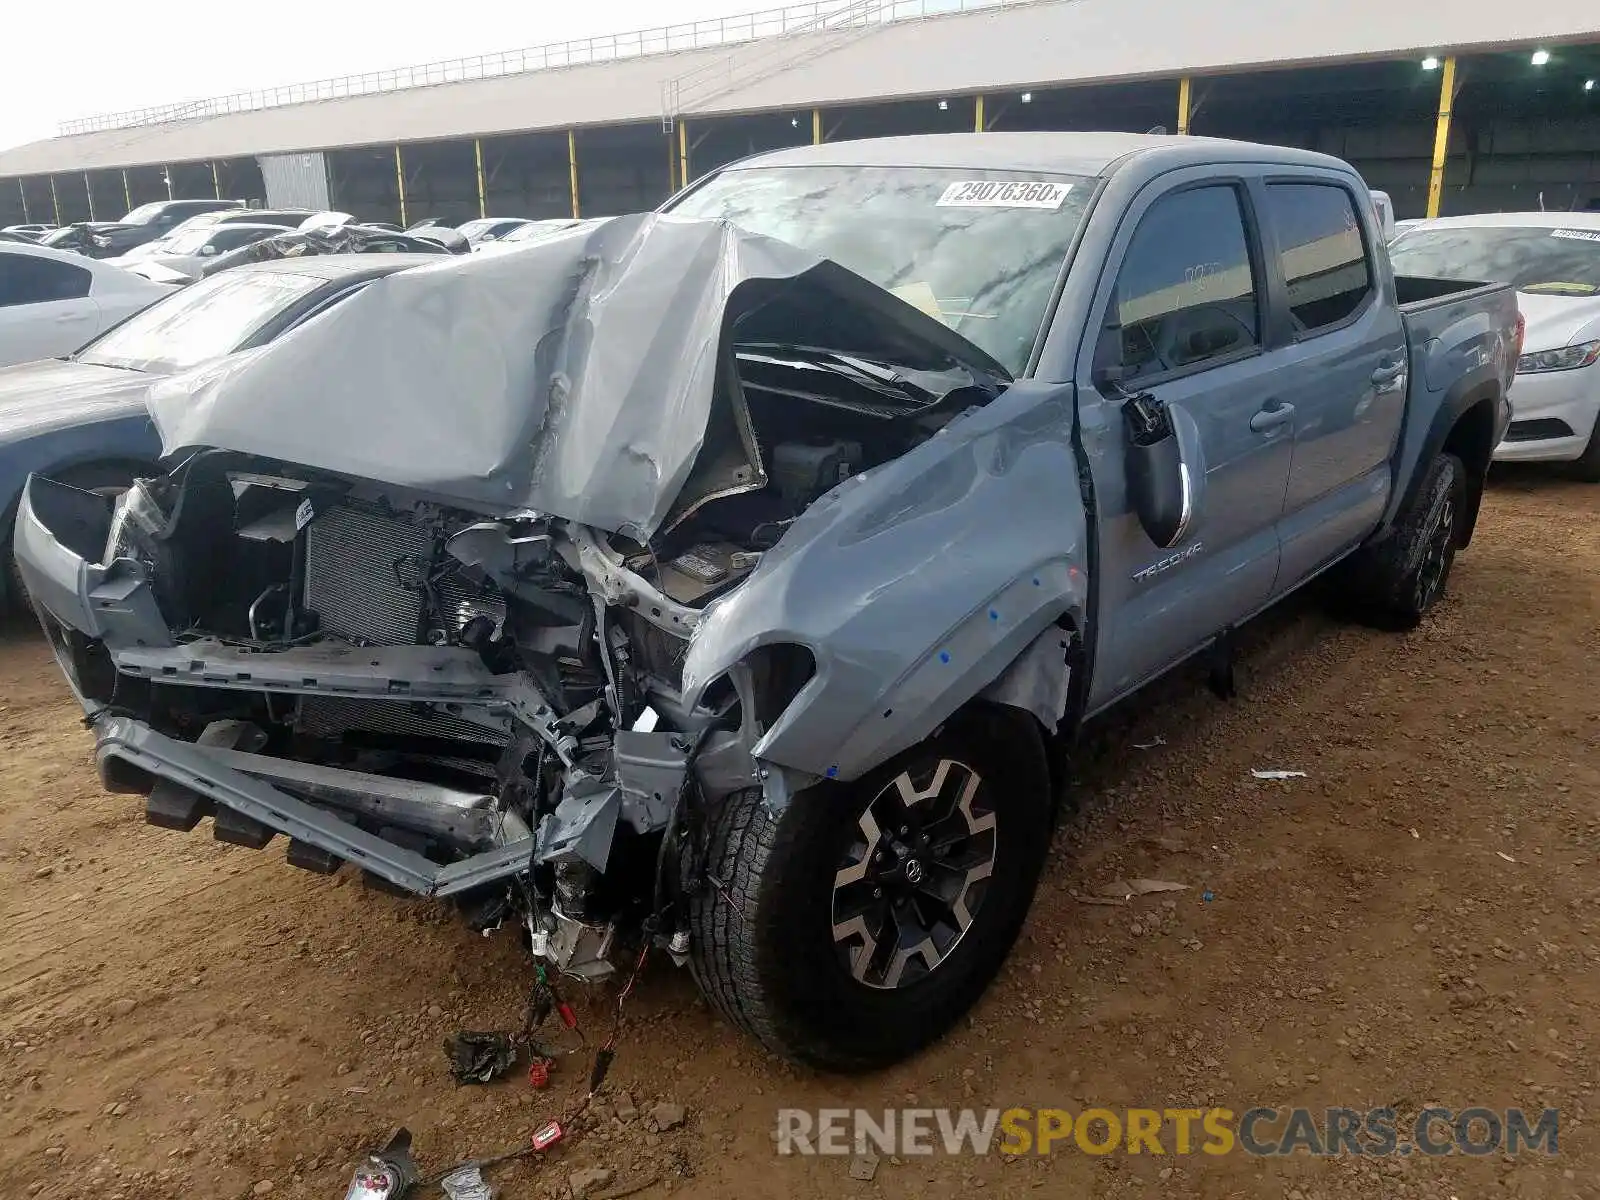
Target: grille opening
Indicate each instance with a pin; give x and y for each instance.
(1538, 430)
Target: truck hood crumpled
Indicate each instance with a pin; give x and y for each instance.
(574, 377)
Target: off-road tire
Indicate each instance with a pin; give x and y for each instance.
(762, 948)
(1394, 583)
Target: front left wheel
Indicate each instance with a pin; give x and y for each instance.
(853, 928)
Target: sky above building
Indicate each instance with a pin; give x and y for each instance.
(109, 57)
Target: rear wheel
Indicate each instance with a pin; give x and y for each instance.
(1398, 580)
(854, 927)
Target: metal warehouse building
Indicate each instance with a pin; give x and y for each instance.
(1467, 106)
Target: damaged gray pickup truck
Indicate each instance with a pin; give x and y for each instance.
(730, 579)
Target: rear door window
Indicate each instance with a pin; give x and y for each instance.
(1186, 295)
(30, 279)
(1321, 251)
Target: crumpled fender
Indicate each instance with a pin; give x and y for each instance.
(913, 585)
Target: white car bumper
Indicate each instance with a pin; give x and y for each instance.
(1553, 416)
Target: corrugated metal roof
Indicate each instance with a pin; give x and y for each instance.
(1029, 45)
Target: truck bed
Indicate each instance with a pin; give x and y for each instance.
(1418, 294)
(1458, 334)
(1449, 321)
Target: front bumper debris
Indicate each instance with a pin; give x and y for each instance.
(330, 814)
(126, 748)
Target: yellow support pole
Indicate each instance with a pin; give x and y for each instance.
(23, 192)
(483, 200)
(54, 202)
(816, 127)
(683, 153)
(572, 169)
(216, 180)
(127, 192)
(1185, 95)
(88, 190)
(400, 184)
(1441, 139)
(977, 122)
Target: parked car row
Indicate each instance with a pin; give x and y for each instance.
(172, 228)
(54, 298)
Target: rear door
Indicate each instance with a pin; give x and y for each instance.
(45, 307)
(1344, 349)
(1182, 318)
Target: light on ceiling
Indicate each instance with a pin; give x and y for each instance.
(795, 121)
(1027, 97)
(1588, 85)
(1540, 57)
(944, 105)
(1430, 63)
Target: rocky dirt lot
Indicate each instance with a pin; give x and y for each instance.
(1417, 921)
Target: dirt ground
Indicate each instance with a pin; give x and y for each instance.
(1417, 921)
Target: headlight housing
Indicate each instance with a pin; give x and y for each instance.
(137, 519)
(1567, 358)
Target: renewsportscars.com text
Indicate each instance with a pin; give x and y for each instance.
(1379, 1132)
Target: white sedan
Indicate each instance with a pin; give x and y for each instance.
(53, 301)
(188, 250)
(1553, 260)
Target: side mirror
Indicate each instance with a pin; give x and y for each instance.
(1159, 484)
(207, 251)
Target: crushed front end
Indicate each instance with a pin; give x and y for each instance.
(462, 707)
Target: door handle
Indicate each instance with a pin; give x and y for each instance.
(1272, 417)
(1389, 373)
(68, 318)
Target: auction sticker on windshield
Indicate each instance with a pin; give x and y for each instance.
(1001, 193)
(1577, 235)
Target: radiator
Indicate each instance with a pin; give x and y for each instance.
(362, 568)
(364, 579)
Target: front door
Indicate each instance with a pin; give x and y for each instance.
(1183, 321)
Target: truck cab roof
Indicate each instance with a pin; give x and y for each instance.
(1064, 153)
